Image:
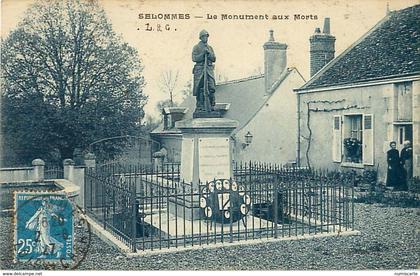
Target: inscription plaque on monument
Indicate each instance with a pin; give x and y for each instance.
(214, 158)
(187, 159)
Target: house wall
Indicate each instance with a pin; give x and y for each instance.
(378, 100)
(273, 127)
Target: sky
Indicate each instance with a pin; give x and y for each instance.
(237, 43)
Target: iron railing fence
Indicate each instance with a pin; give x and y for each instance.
(150, 209)
(112, 203)
(53, 172)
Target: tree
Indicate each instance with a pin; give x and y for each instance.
(67, 80)
(168, 84)
(182, 95)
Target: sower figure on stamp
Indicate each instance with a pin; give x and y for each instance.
(204, 82)
(41, 222)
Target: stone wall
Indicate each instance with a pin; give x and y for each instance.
(16, 174)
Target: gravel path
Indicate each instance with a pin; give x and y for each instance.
(390, 239)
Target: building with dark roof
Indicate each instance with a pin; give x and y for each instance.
(263, 105)
(369, 95)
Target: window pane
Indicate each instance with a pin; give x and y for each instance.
(368, 122)
(353, 139)
(337, 123)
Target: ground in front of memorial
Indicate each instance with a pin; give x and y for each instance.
(390, 239)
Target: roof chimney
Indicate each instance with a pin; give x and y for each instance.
(275, 61)
(322, 47)
(326, 29)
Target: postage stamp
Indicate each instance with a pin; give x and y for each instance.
(43, 227)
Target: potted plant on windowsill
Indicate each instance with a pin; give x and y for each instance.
(353, 148)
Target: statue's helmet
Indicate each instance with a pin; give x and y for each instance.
(204, 33)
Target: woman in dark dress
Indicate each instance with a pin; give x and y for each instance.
(393, 176)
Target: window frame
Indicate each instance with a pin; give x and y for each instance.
(344, 162)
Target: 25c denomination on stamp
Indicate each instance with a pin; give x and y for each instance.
(43, 227)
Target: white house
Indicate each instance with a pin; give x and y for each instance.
(369, 95)
(264, 106)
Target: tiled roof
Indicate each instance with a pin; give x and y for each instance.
(390, 49)
(245, 98)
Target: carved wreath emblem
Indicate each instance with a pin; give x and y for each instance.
(224, 201)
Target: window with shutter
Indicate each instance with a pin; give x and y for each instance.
(353, 138)
(368, 146)
(336, 145)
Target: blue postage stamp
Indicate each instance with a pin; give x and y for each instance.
(43, 227)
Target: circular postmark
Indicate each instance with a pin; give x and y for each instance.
(50, 231)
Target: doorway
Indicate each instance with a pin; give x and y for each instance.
(404, 132)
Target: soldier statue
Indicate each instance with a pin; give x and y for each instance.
(204, 82)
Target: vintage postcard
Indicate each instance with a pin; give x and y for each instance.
(210, 135)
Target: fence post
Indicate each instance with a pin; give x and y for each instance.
(276, 207)
(38, 169)
(68, 169)
(133, 217)
(321, 205)
(103, 207)
(352, 207)
(88, 179)
(90, 160)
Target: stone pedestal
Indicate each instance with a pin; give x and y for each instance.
(206, 149)
(206, 155)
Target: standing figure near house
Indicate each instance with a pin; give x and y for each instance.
(407, 164)
(204, 82)
(393, 177)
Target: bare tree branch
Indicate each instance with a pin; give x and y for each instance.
(168, 82)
